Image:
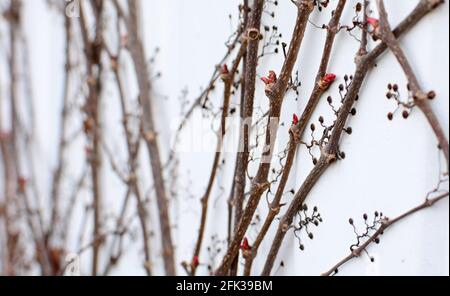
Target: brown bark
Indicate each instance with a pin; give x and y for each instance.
(150, 135)
(329, 153)
(276, 94)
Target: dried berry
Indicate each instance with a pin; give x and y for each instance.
(431, 95)
(405, 114)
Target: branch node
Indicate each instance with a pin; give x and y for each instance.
(253, 34)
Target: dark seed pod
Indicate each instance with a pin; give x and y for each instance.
(405, 114)
(431, 95)
(390, 116)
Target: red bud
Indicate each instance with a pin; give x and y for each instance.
(326, 81)
(22, 184)
(195, 261)
(373, 22)
(329, 78)
(295, 119)
(271, 79)
(245, 245)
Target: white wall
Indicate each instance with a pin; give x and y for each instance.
(390, 166)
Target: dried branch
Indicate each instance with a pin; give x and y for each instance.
(228, 79)
(275, 92)
(150, 136)
(131, 181)
(253, 35)
(92, 125)
(421, 98)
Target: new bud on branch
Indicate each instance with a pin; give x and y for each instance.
(245, 245)
(224, 72)
(195, 262)
(375, 23)
(22, 184)
(271, 79)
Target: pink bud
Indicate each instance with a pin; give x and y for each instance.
(329, 78)
(245, 245)
(195, 261)
(295, 119)
(373, 22)
(224, 70)
(326, 81)
(22, 184)
(271, 79)
(272, 76)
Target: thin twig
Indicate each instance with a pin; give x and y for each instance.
(421, 98)
(385, 224)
